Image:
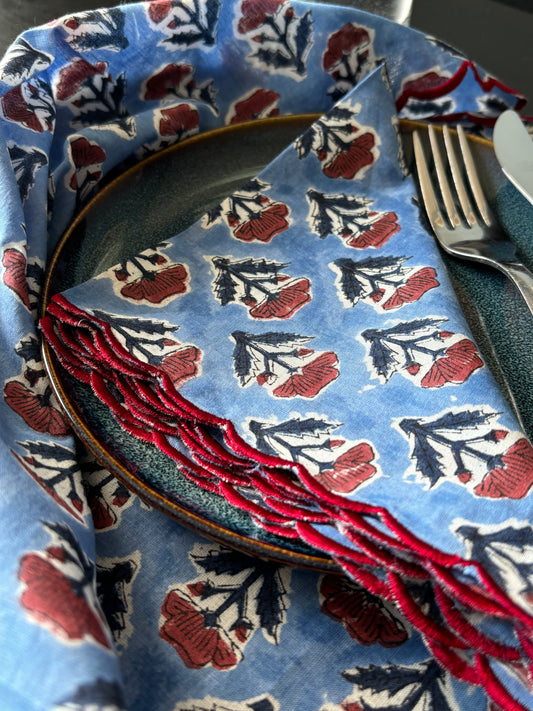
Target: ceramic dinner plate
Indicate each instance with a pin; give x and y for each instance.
(161, 196)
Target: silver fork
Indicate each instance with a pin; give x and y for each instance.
(473, 233)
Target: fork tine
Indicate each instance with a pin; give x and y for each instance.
(426, 186)
(473, 178)
(462, 193)
(444, 184)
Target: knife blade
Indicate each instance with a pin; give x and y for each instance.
(514, 150)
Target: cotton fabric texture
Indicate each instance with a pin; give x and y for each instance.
(299, 351)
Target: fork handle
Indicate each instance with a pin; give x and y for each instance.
(523, 280)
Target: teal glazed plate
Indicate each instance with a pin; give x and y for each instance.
(166, 193)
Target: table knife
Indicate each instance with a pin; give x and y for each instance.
(514, 150)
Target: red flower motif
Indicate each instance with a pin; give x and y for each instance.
(426, 86)
(348, 705)
(377, 295)
(260, 104)
(342, 42)
(376, 234)
(254, 13)
(179, 120)
(348, 163)
(35, 409)
(159, 9)
(284, 302)
(197, 639)
(265, 224)
(17, 107)
(311, 378)
(350, 470)
(85, 155)
(14, 278)
(168, 80)
(511, 476)
(364, 615)
(102, 514)
(416, 285)
(156, 286)
(105, 508)
(73, 76)
(182, 364)
(51, 599)
(457, 365)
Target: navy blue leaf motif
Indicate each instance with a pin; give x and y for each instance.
(350, 218)
(213, 214)
(100, 695)
(74, 553)
(242, 359)
(225, 288)
(340, 464)
(111, 586)
(252, 591)
(454, 444)
(262, 704)
(30, 104)
(341, 204)
(284, 40)
(34, 271)
(273, 57)
(463, 419)
(254, 185)
(506, 553)
(26, 162)
(52, 453)
(421, 109)
(148, 339)
(21, 61)
(55, 469)
(221, 560)
(334, 129)
(260, 353)
(104, 107)
(212, 10)
(396, 347)
(269, 606)
(250, 214)
(259, 286)
(428, 459)
(304, 143)
(383, 358)
(420, 686)
(135, 325)
(29, 349)
(250, 273)
(339, 113)
(193, 22)
(96, 29)
(283, 436)
(367, 277)
(303, 34)
(308, 427)
(351, 287)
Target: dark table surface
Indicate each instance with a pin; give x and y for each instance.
(498, 34)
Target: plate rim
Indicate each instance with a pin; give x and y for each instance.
(214, 531)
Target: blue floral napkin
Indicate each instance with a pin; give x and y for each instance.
(299, 350)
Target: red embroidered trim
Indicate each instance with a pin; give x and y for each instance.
(452, 83)
(285, 499)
